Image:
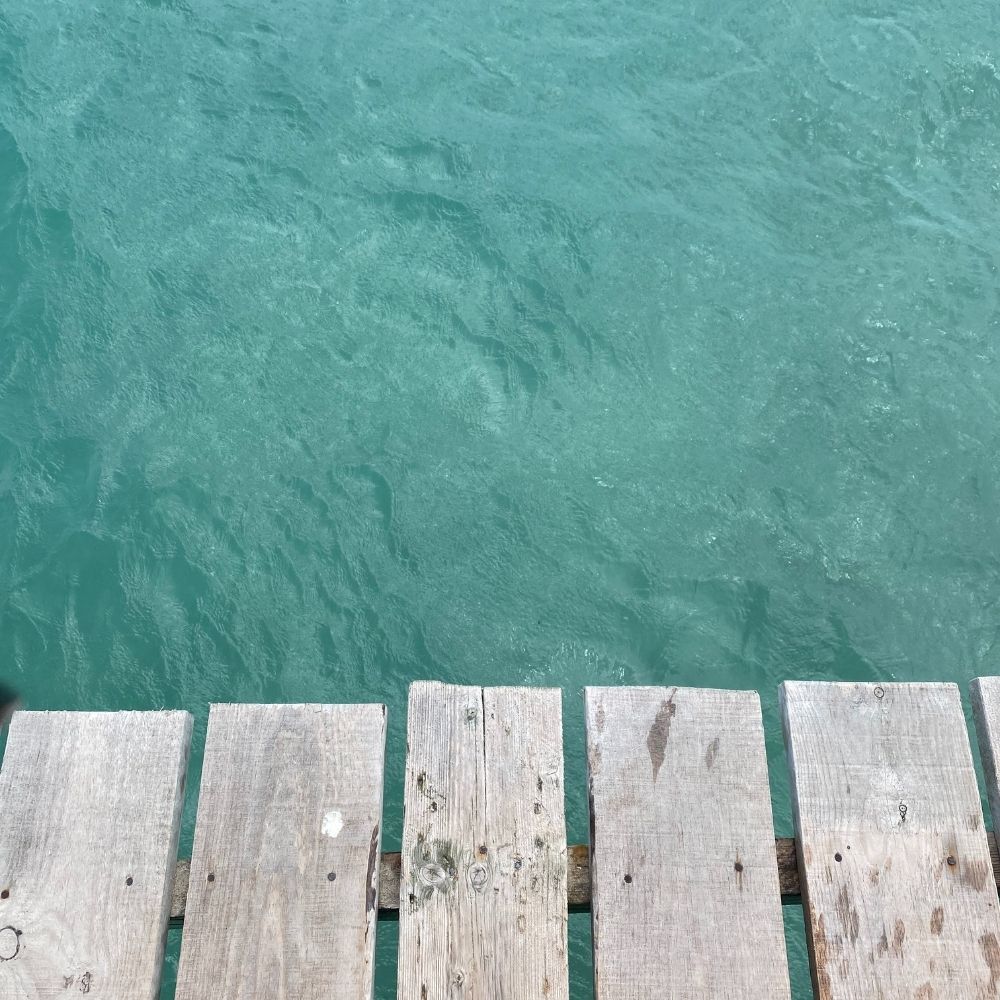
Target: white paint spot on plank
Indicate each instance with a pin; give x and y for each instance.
(333, 823)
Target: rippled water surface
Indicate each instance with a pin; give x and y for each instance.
(347, 343)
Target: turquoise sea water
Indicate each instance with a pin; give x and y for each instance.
(347, 343)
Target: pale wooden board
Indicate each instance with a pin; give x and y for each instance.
(882, 777)
(986, 710)
(290, 794)
(483, 890)
(90, 806)
(686, 902)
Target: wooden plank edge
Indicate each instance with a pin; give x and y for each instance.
(577, 878)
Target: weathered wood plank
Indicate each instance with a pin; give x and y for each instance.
(483, 904)
(686, 901)
(283, 881)
(895, 862)
(986, 711)
(90, 806)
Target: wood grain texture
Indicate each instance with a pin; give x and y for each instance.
(686, 902)
(897, 878)
(90, 806)
(483, 904)
(283, 881)
(986, 711)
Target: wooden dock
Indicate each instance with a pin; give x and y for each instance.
(683, 876)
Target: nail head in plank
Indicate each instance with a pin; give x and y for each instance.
(90, 806)
(283, 881)
(897, 879)
(483, 890)
(686, 901)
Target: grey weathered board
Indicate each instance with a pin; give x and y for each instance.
(90, 806)
(283, 885)
(685, 897)
(483, 889)
(898, 886)
(986, 710)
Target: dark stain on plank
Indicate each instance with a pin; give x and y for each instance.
(848, 916)
(821, 960)
(991, 955)
(711, 752)
(883, 944)
(371, 892)
(898, 937)
(975, 874)
(659, 733)
(937, 920)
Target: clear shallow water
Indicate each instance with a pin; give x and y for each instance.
(343, 344)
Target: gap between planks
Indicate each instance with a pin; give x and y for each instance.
(577, 877)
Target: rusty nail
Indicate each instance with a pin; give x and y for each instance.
(952, 861)
(331, 877)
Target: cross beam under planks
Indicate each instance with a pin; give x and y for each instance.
(577, 878)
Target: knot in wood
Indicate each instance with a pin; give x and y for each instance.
(432, 874)
(479, 876)
(10, 944)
